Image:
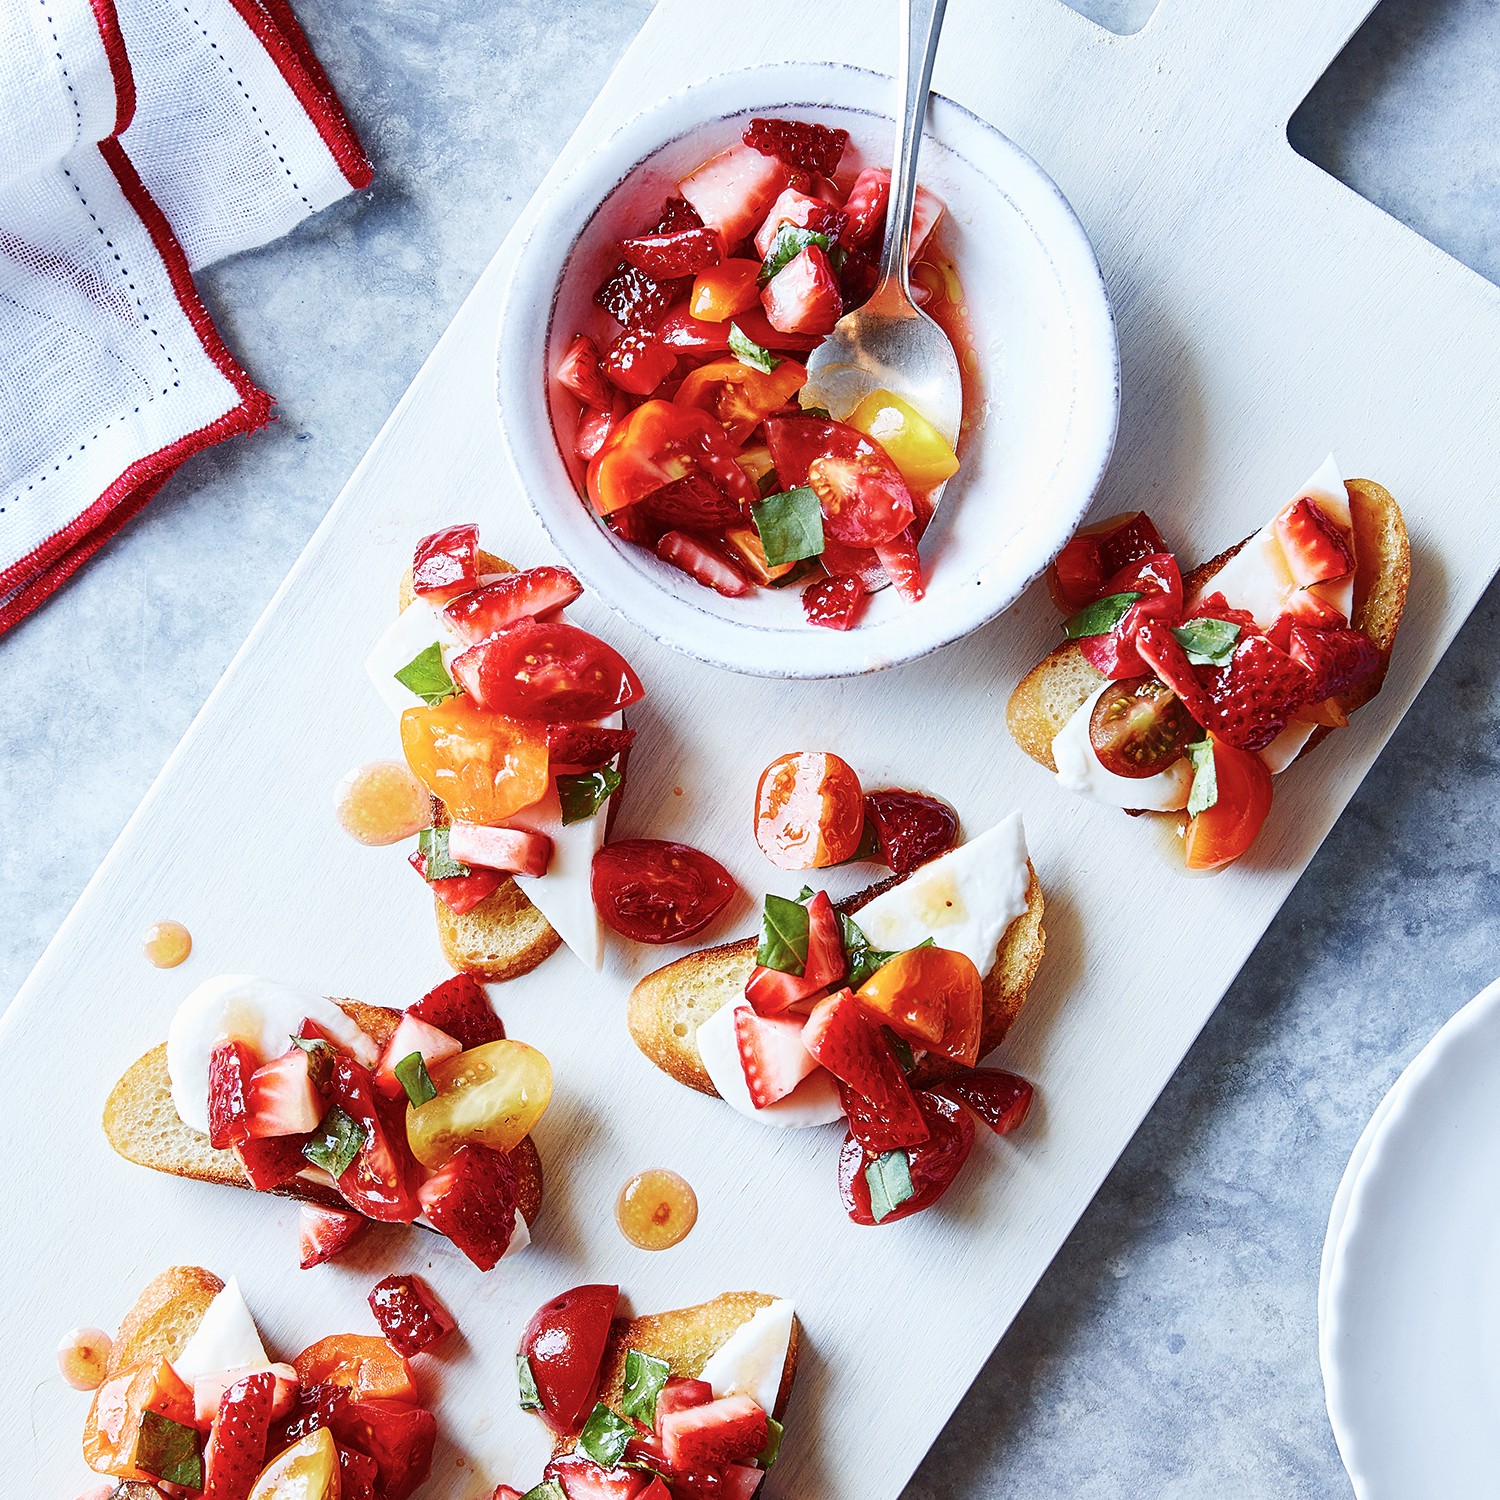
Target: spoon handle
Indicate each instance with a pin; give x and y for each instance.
(922, 20)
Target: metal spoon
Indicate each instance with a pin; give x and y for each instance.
(890, 343)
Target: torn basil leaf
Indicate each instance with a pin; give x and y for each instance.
(783, 936)
(335, 1143)
(170, 1450)
(748, 352)
(411, 1073)
(440, 865)
(644, 1378)
(605, 1436)
(889, 1180)
(427, 677)
(1205, 790)
(1100, 617)
(583, 793)
(531, 1399)
(1208, 643)
(791, 240)
(790, 525)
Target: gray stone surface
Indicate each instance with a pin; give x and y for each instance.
(1171, 1349)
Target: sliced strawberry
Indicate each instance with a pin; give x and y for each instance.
(324, 1233)
(578, 373)
(1316, 548)
(586, 747)
(739, 1482)
(637, 363)
(772, 1055)
(236, 1448)
(582, 1479)
(1002, 1100)
(858, 1054)
(803, 297)
(459, 893)
(281, 1099)
(1217, 607)
(833, 602)
(461, 1008)
(516, 596)
(866, 206)
(707, 564)
(682, 252)
(681, 1394)
(409, 1314)
(209, 1389)
(231, 1065)
(472, 1200)
(690, 504)
(723, 1431)
(1339, 661)
(799, 143)
(899, 559)
(803, 212)
(732, 191)
(1256, 694)
(770, 991)
(273, 1161)
(412, 1034)
(512, 851)
(1309, 607)
(594, 426)
(1160, 652)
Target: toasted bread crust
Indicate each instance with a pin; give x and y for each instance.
(669, 1005)
(142, 1125)
(164, 1318)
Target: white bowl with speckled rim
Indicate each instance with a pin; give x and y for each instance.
(1033, 453)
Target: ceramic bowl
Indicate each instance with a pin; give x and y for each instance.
(1034, 450)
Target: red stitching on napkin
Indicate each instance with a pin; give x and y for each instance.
(108, 23)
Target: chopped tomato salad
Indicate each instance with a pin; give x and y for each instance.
(689, 424)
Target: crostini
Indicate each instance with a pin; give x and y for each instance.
(680, 1403)
(1186, 694)
(363, 1112)
(189, 1401)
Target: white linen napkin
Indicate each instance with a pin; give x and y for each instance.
(139, 139)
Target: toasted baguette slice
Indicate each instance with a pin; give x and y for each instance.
(505, 936)
(143, 1126)
(1054, 690)
(669, 1005)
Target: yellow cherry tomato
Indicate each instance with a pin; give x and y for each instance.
(916, 447)
(491, 1095)
(308, 1470)
(485, 766)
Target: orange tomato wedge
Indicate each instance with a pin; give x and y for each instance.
(113, 1425)
(369, 1366)
(721, 291)
(934, 997)
(1224, 831)
(485, 766)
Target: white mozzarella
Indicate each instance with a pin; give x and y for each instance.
(226, 1339)
(409, 634)
(1287, 745)
(259, 1012)
(815, 1101)
(963, 900)
(520, 1237)
(752, 1360)
(1079, 770)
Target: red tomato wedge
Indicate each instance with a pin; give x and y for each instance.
(865, 500)
(655, 891)
(657, 444)
(933, 1163)
(381, 1180)
(547, 669)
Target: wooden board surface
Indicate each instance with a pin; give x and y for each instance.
(1266, 314)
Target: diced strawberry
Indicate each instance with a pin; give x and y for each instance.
(208, 1390)
(236, 1447)
(680, 1394)
(409, 1314)
(459, 893)
(502, 1492)
(1217, 607)
(594, 426)
(586, 747)
(1316, 547)
(582, 1479)
(692, 504)
(682, 252)
(1308, 607)
(722, 1432)
(900, 560)
(855, 1052)
(461, 1008)
(804, 212)
(866, 206)
(656, 1490)
(771, 991)
(799, 143)
(772, 1055)
(803, 296)
(231, 1065)
(740, 1481)
(1338, 660)
(732, 191)
(472, 1200)
(578, 373)
(834, 602)
(637, 363)
(412, 1034)
(707, 564)
(447, 562)
(516, 596)
(281, 1099)
(272, 1161)
(1002, 1100)
(636, 299)
(513, 851)
(325, 1232)
(1256, 694)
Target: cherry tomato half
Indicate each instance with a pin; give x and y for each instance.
(564, 1345)
(547, 669)
(485, 767)
(933, 1163)
(934, 997)
(739, 397)
(809, 811)
(1139, 727)
(865, 500)
(1095, 553)
(655, 891)
(1224, 831)
(655, 445)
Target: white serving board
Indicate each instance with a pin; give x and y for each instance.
(1266, 314)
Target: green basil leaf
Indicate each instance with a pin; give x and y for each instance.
(427, 677)
(1208, 643)
(790, 525)
(1100, 617)
(790, 242)
(531, 1399)
(783, 936)
(433, 844)
(583, 793)
(335, 1143)
(1205, 791)
(411, 1073)
(319, 1058)
(748, 352)
(605, 1436)
(548, 1489)
(902, 1048)
(772, 1451)
(170, 1450)
(644, 1378)
(863, 959)
(768, 484)
(818, 411)
(889, 1179)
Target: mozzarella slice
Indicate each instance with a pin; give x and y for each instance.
(815, 1101)
(1080, 770)
(409, 634)
(226, 1339)
(963, 900)
(259, 1012)
(752, 1360)
(1287, 745)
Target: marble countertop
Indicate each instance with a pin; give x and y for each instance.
(1171, 1348)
